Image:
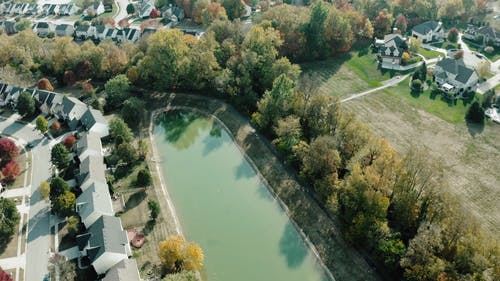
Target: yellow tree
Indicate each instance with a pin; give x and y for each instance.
(44, 190)
(176, 254)
(193, 257)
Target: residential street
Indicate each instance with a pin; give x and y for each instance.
(38, 241)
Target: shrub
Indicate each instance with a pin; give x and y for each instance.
(143, 178)
(8, 149)
(453, 35)
(416, 84)
(459, 54)
(154, 208)
(489, 49)
(11, 170)
(44, 84)
(55, 127)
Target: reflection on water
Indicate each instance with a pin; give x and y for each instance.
(224, 206)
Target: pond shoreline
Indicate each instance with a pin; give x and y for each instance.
(319, 232)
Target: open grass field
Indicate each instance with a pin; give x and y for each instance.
(470, 153)
(347, 74)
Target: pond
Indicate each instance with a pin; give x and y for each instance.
(225, 207)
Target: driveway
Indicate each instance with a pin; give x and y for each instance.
(38, 241)
(122, 7)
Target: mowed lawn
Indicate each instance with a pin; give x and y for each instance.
(452, 111)
(346, 74)
(429, 54)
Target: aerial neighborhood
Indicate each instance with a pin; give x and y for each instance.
(249, 140)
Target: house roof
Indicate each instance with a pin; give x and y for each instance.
(104, 235)
(89, 142)
(82, 28)
(126, 270)
(131, 34)
(73, 107)
(42, 24)
(92, 169)
(94, 199)
(425, 27)
(455, 67)
(393, 45)
(110, 32)
(100, 28)
(63, 27)
(91, 117)
(487, 31)
(10, 27)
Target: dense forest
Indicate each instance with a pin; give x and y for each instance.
(393, 207)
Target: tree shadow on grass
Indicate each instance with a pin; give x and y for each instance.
(135, 199)
(474, 128)
(292, 247)
(150, 225)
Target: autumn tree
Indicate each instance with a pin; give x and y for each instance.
(154, 13)
(382, 23)
(288, 134)
(203, 67)
(44, 84)
(315, 31)
(11, 170)
(55, 127)
(58, 264)
(25, 104)
(176, 254)
(64, 204)
(69, 142)
(8, 149)
(42, 124)
(401, 23)
(73, 225)
(452, 35)
(44, 190)
(214, 11)
(458, 55)
(164, 61)
(414, 45)
(483, 68)
(5, 276)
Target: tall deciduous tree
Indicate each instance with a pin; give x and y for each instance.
(382, 23)
(60, 156)
(133, 111)
(315, 31)
(234, 8)
(44, 190)
(8, 149)
(58, 264)
(25, 104)
(58, 186)
(116, 91)
(176, 254)
(64, 204)
(453, 35)
(401, 23)
(11, 170)
(44, 84)
(10, 219)
(119, 131)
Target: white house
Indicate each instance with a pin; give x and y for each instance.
(93, 203)
(84, 32)
(94, 122)
(65, 30)
(428, 31)
(94, 10)
(131, 34)
(68, 9)
(105, 243)
(391, 49)
(454, 78)
(483, 35)
(43, 28)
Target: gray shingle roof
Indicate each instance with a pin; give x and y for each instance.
(487, 31)
(73, 107)
(126, 270)
(106, 235)
(394, 44)
(456, 67)
(92, 169)
(42, 24)
(90, 142)
(95, 199)
(425, 27)
(91, 117)
(83, 28)
(62, 27)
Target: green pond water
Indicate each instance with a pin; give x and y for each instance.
(225, 207)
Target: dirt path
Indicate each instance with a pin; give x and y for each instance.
(388, 83)
(471, 154)
(342, 260)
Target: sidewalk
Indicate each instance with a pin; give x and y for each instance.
(11, 263)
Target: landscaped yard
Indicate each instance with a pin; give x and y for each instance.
(347, 74)
(495, 55)
(446, 45)
(452, 111)
(429, 54)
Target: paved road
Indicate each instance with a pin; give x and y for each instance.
(387, 83)
(38, 242)
(122, 7)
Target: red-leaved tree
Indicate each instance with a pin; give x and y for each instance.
(8, 149)
(44, 84)
(55, 127)
(154, 13)
(4, 276)
(69, 142)
(11, 170)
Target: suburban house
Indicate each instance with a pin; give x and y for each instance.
(89, 144)
(131, 34)
(391, 49)
(483, 35)
(7, 7)
(53, 10)
(65, 30)
(93, 203)
(145, 8)
(84, 32)
(68, 9)
(100, 32)
(94, 10)
(111, 34)
(454, 78)
(31, 10)
(126, 270)
(10, 27)
(172, 13)
(92, 171)
(43, 28)
(105, 243)
(428, 31)
(94, 122)
(72, 110)
(18, 9)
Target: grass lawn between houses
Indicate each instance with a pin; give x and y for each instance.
(452, 111)
(495, 55)
(347, 74)
(429, 54)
